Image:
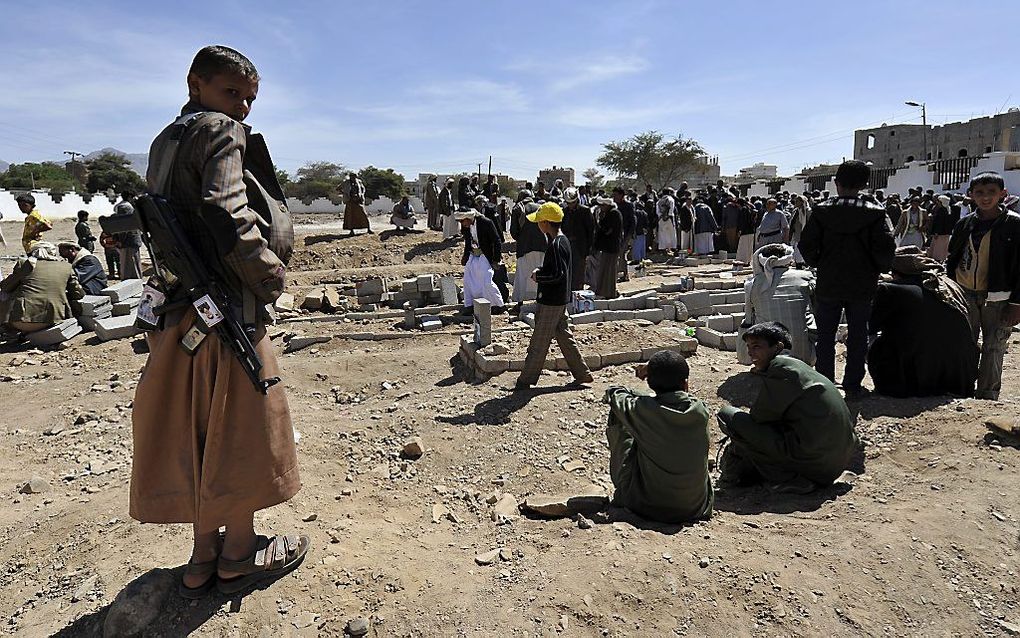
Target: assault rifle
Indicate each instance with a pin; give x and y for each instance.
(179, 268)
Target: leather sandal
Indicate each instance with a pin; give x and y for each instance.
(273, 557)
(207, 569)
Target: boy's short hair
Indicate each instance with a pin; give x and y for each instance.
(667, 371)
(27, 198)
(83, 214)
(772, 332)
(217, 59)
(988, 178)
(853, 174)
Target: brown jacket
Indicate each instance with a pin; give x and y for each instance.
(245, 233)
(39, 291)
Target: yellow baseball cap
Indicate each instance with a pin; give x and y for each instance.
(547, 212)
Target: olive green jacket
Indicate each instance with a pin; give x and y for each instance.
(658, 459)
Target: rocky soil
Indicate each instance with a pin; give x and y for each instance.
(922, 541)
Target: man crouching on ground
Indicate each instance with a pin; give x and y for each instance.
(799, 433)
(658, 445)
(209, 449)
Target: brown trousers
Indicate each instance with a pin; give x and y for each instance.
(207, 445)
(550, 322)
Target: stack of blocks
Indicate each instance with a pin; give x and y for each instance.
(94, 308)
(124, 297)
(424, 290)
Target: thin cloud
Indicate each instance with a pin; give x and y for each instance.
(598, 70)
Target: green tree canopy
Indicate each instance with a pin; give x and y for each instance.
(381, 182)
(594, 178)
(282, 176)
(315, 179)
(112, 171)
(651, 158)
(47, 175)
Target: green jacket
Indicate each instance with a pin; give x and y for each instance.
(39, 291)
(806, 424)
(659, 454)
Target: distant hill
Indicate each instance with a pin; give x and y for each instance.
(139, 161)
(4, 166)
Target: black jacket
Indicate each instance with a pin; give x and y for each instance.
(90, 274)
(1004, 252)
(628, 216)
(527, 234)
(609, 232)
(579, 227)
(848, 241)
(554, 276)
(640, 222)
(488, 241)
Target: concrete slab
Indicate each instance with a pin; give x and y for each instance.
(448, 291)
(92, 305)
(123, 290)
(116, 327)
(708, 337)
(55, 334)
(482, 322)
(653, 314)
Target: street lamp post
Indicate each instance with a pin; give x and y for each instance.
(924, 123)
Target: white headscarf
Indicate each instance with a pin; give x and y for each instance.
(45, 251)
(765, 265)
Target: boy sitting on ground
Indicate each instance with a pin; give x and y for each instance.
(658, 445)
(799, 433)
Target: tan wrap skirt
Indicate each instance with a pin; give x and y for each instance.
(208, 446)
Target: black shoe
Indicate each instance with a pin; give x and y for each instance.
(498, 310)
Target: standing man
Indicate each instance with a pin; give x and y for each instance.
(491, 187)
(608, 245)
(847, 240)
(35, 223)
(579, 229)
(209, 448)
(432, 204)
(626, 209)
(482, 253)
(83, 232)
(355, 216)
(774, 227)
(129, 244)
(731, 222)
(446, 221)
(551, 320)
(531, 245)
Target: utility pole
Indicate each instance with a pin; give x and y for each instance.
(490, 166)
(74, 154)
(479, 173)
(924, 123)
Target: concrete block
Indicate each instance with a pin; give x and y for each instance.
(708, 284)
(696, 299)
(695, 323)
(668, 312)
(410, 320)
(448, 291)
(284, 302)
(426, 283)
(588, 317)
(364, 300)
(331, 300)
(729, 342)
(123, 290)
(299, 343)
(482, 322)
(621, 303)
(593, 361)
(651, 302)
(602, 304)
(516, 365)
(729, 308)
(644, 294)
(621, 358)
(119, 328)
(619, 315)
(708, 337)
(409, 286)
(313, 299)
(373, 286)
(56, 333)
(653, 314)
(735, 297)
(92, 305)
(720, 323)
(125, 307)
(491, 365)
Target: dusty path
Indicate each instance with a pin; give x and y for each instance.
(924, 542)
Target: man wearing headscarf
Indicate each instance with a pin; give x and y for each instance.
(86, 267)
(608, 244)
(447, 223)
(482, 253)
(942, 219)
(355, 216)
(778, 292)
(924, 344)
(432, 204)
(774, 227)
(579, 229)
(37, 294)
(531, 245)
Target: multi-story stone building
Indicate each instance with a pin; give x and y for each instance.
(898, 144)
(550, 175)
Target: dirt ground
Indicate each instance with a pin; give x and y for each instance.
(923, 543)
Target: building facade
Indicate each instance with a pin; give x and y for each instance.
(898, 144)
(548, 176)
(758, 170)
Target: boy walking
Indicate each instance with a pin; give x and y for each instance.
(984, 258)
(848, 241)
(210, 449)
(553, 280)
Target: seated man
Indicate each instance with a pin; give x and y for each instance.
(925, 346)
(38, 293)
(779, 292)
(86, 266)
(658, 445)
(799, 433)
(403, 214)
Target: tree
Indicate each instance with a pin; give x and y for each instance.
(651, 158)
(381, 182)
(315, 179)
(111, 171)
(594, 178)
(47, 175)
(282, 176)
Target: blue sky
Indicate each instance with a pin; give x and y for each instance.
(442, 85)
